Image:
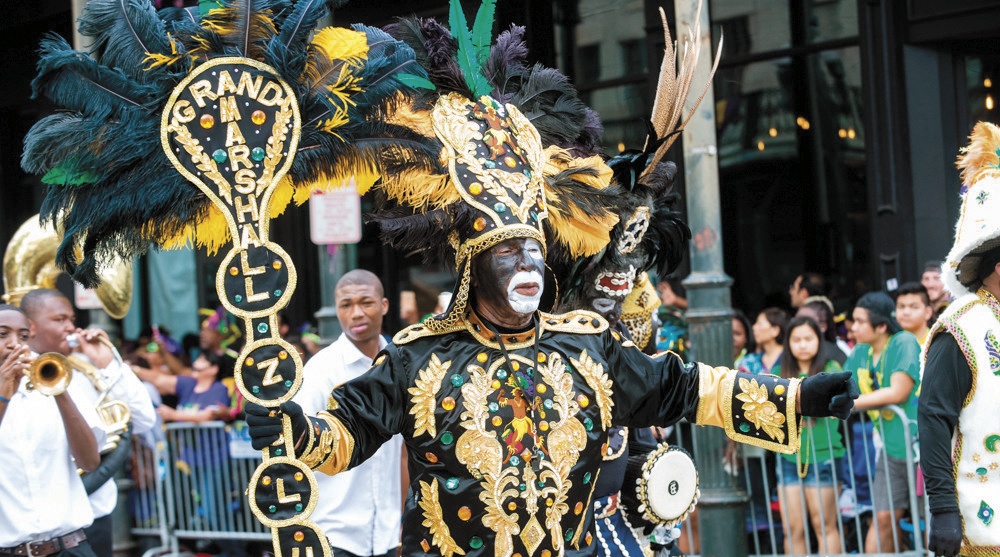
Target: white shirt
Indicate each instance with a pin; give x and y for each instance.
(359, 509)
(128, 388)
(41, 495)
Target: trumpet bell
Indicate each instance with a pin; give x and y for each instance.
(50, 374)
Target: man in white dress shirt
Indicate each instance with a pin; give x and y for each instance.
(360, 509)
(43, 439)
(52, 319)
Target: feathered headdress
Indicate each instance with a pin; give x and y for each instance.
(110, 183)
(520, 147)
(650, 234)
(978, 229)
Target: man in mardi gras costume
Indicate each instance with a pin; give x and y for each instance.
(961, 370)
(439, 383)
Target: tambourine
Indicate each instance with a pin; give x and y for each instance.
(661, 486)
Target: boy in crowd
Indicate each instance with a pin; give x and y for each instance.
(886, 364)
(913, 309)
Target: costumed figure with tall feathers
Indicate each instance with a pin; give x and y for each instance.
(505, 409)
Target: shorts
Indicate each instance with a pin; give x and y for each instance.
(896, 483)
(788, 474)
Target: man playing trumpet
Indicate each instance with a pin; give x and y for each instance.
(52, 322)
(43, 440)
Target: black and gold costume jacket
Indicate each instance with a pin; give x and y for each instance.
(503, 455)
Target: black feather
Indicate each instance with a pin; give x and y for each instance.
(124, 32)
(77, 82)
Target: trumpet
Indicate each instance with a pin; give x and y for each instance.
(50, 374)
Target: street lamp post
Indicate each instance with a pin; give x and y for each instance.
(709, 316)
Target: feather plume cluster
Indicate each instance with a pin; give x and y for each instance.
(673, 86)
(110, 185)
(981, 158)
(417, 210)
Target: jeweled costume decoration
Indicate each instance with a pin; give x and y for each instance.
(203, 124)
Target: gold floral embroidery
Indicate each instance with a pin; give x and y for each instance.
(434, 520)
(593, 372)
(424, 396)
(566, 441)
(759, 411)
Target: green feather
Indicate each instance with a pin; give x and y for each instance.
(415, 81)
(67, 173)
(482, 31)
(473, 48)
(205, 6)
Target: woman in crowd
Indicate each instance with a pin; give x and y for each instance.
(809, 476)
(201, 397)
(743, 341)
(769, 332)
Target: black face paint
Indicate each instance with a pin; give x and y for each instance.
(494, 268)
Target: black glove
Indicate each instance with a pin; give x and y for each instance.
(828, 394)
(946, 534)
(265, 429)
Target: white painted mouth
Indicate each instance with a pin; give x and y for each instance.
(616, 285)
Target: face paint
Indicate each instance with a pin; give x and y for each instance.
(509, 280)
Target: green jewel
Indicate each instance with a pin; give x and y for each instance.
(745, 427)
(238, 298)
(452, 483)
(586, 478)
(981, 471)
(262, 328)
(272, 509)
(288, 383)
(219, 156)
(277, 293)
(531, 372)
(588, 424)
(277, 452)
(523, 487)
(298, 507)
(501, 374)
(476, 542)
(514, 461)
(489, 164)
(499, 207)
(547, 404)
(257, 154)
(569, 534)
(255, 389)
(494, 407)
(541, 484)
(457, 380)
(527, 174)
(447, 438)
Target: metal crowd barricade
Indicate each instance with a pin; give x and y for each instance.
(200, 477)
(764, 528)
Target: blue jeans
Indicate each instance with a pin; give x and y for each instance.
(788, 473)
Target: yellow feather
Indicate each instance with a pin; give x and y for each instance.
(333, 54)
(421, 191)
(582, 233)
(980, 159)
(339, 43)
(404, 115)
(283, 194)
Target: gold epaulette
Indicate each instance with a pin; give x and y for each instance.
(418, 330)
(577, 321)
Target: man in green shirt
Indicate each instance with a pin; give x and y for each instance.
(886, 365)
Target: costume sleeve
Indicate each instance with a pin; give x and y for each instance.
(361, 415)
(754, 409)
(947, 381)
